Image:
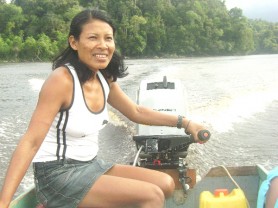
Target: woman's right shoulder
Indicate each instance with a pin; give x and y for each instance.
(59, 79)
(61, 76)
(62, 72)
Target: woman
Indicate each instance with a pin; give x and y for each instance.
(62, 136)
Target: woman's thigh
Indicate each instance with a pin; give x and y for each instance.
(162, 180)
(125, 185)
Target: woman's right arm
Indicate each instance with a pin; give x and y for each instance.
(55, 94)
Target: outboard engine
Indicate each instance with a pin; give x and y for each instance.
(164, 147)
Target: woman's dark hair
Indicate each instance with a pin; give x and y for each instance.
(115, 68)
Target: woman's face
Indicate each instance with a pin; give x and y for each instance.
(96, 45)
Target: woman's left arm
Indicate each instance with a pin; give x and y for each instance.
(143, 115)
(136, 113)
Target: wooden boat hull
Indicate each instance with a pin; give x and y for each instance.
(248, 178)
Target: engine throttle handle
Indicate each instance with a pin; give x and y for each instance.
(204, 135)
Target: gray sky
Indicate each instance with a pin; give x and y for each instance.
(256, 9)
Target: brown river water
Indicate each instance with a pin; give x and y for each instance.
(236, 97)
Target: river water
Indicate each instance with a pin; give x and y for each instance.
(235, 97)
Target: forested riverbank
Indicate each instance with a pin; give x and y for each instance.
(36, 30)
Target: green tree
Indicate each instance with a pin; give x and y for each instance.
(100, 4)
(265, 36)
(29, 50)
(47, 16)
(155, 34)
(61, 41)
(125, 14)
(136, 42)
(37, 29)
(241, 33)
(215, 21)
(46, 49)
(10, 19)
(16, 46)
(4, 49)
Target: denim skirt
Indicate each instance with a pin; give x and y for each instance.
(64, 183)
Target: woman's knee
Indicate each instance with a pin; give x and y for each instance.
(168, 185)
(156, 196)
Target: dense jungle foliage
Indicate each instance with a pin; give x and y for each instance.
(36, 30)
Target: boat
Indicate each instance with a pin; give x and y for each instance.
(27, 199)
(248, 178)
(165, 149)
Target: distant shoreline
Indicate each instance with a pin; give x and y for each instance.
(149, 57)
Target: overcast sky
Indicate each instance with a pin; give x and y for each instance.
(257, 9)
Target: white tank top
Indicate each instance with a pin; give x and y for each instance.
(74, 131)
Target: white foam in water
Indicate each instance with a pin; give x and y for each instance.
(3, 128)
(36, 84)
(241, 108)
(2, 132)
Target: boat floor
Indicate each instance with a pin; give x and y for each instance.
(249, 178)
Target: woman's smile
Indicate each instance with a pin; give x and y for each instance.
(95, 46)
(101, 57)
